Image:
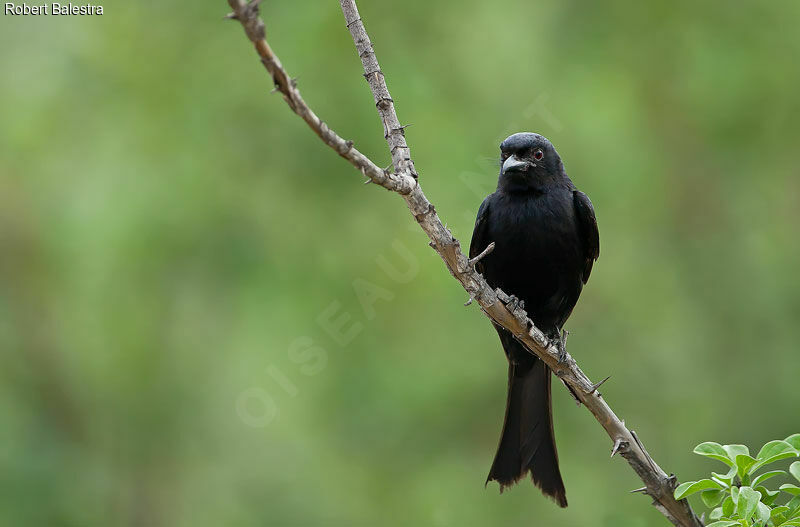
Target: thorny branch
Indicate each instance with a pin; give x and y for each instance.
(495, 304)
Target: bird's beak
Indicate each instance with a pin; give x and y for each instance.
(512, 164)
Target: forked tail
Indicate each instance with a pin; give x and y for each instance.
(527, 442)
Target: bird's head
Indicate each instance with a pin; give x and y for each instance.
(528, 162)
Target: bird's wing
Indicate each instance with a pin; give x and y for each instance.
(588, 228)
(479, 233)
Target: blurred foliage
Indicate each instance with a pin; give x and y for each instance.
(175, 246)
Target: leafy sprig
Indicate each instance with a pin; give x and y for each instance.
(740, 497)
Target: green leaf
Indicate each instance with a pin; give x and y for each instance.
(777, 455)
(724, 523)
(728, 506)
(794, 440)
(791, 523)
(713, 497)
(690, 487)
(772, 452)
(773, 448)
(794, 470)
(778, 514)
(725, 479)
(762, 511)
(743, 464)
(773, 459)
(767, 496)
(793, 505)
(714, 451)
(794, 490)
(736, 450)
(748, 501)
(766, 475)
(716, 514)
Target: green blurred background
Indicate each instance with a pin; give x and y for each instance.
(171, 237)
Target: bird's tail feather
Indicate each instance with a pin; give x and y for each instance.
(527, 442)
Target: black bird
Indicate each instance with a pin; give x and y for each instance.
(546, 240)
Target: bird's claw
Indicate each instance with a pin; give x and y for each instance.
(561, 345)
(562, 352)
(514, 303)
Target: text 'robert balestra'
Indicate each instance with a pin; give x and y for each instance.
(52, 9)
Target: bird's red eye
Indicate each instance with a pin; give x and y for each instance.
(538, 155)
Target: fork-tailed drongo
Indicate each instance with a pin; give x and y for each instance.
(546, 241)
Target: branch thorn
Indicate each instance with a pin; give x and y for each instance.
(672, 481)
(593, 388)
(618, 443)
(352, 22)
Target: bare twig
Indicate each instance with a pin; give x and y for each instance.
(495, 304)
(247, 14)
(393, 131)
(482, 255)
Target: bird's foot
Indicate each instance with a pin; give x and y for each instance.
(561, 345)
(514, 303)
(562, 352)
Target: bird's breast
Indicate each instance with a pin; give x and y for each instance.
(539, 226)
(537, 254)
